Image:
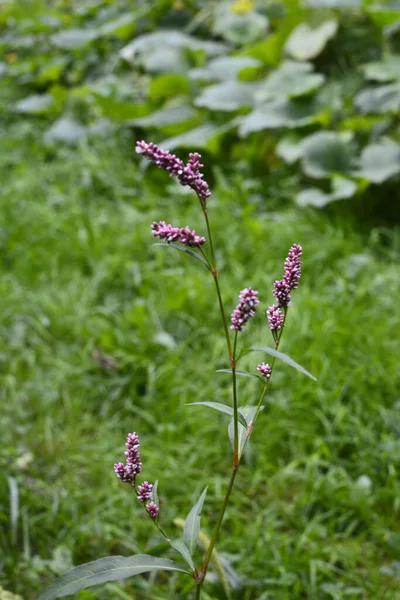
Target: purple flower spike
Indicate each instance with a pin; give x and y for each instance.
(177, 234)
(248, 300)
(145, 491)
(281, 292)
(133, 466)
(275, 317)
(293, 267)
(265, 370)
(188, 175)
(152, 509)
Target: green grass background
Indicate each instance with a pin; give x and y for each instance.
(315, 510)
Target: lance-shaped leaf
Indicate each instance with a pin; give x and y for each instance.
(188, 251)
(154, 493)
(110, 568)
(242, 373)
(221, 407)
(192, 524)
(248, 413)
(181, 547)
(284, 358)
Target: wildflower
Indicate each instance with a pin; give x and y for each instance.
(177, 234)
(187, 175)
(152, 509)
(281, 292)
(293, 267)
(133, 466)
(275, 317)
(145, 491)
(265, 370)
(246, 309)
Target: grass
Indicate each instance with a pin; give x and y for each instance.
(315, 510)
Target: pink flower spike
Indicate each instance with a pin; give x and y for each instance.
(177, 234)
(248, 300)
(152, 509)
(265, 370)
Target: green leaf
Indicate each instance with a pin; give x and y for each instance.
(387, 69)
(290, 148)
(122, 27)
(342, 189)
(66, 130)
(216, 406)
(196, 138)
(110, 568)
(36, 104)
(376, 100)
(242, 373)
(227, 96)
(72, 39)
(181, 547)
(154, 493)
(165, 116)
(379, 162)
(188, 251)
(284, 358)
(291, 80)
(224, 68)
(192, 524)
(239, 28)
(306, 43)
(325, 153)
(248, 413)
(284, 113)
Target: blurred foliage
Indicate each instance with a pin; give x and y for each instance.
(320, 82)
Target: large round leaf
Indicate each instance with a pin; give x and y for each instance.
(230, 95)
(291, 80)
(380, 161)
(165, 116)
(385, 98)
(239, 28)
(325, 153)
(305, 43)
(387, 69)
(224, 68)
(342, 187)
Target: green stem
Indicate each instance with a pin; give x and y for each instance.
(236, 458)
(198, 591)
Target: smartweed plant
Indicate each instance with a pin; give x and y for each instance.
(242, 418)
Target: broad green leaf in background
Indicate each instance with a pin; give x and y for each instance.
(290, 148)
(239, 28)
(284, 113)
(284, 358)
(195, 139)
(66, 130)
(122, 27)
(382, 16)
(73, 39)
(342, 187)
(192, 524)
(168, 85)
(224, 68)
(165, 116)
(379, 162)
(227, 96)
(377, 100)
(37, 104)
(325, 153)
(306, 43)
(291, 80)
(110, 568)
(384, 70)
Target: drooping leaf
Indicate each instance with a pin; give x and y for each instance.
(242, 373)
(342, 189)
(66, 130)
(36, 104)
(73, 39)
(377, 100)
(187, 250)
(183, 550)
(325, 153)
(224, 68)
(379, 162)
(227, 96)
(291, 80)
(216, 406)
(110, 568)
(384, 70)
(239, 28)
(192, 524)
(306, 43)
(164, 116)
(284, 358)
